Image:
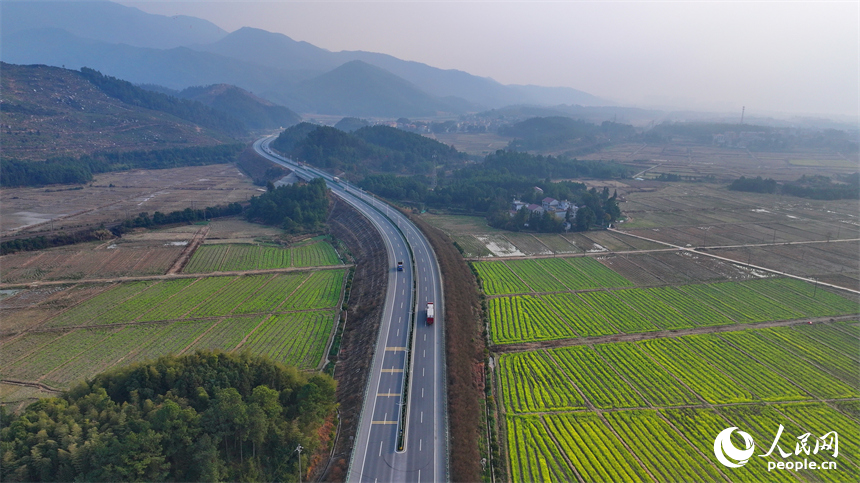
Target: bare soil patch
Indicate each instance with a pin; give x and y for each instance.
(112, 197)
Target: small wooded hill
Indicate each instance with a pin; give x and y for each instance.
(48, 111)
(380, 149)
(559, 133)
(252, 111)
(207, 416)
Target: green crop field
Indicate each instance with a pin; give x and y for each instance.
(531, 382)
(297, 339)
(527, 318)
(243, 256)
(287, 316)
(668, 434)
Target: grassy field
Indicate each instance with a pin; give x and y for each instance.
(287, 316)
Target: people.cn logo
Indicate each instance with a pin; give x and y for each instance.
(724, 448)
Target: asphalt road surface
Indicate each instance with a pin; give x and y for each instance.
(375, 457)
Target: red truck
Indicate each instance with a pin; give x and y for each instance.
(431, 312)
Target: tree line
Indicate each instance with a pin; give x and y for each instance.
(817, 187)
(142, 220)
(207, 416)
(70, 170)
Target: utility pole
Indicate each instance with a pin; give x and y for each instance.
(299, 449)
(744, 108)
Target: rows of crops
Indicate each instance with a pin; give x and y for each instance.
(241, 257)
(526, 318)
(725, 368)
(297, 339)
(546, 275)
(153, 301)
(675, 445)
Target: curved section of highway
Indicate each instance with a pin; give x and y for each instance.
(425, 454)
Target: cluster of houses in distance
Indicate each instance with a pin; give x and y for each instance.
(559, 209)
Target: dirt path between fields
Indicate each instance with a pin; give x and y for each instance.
(171, 276)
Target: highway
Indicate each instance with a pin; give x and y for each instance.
(375, 456)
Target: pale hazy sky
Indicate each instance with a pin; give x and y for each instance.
(772, 57)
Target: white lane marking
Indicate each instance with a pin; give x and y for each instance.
(399, 320)
(401, 305)
(422, 392)
(422, 372)
(419, 476)
(403, 292)
(425, 353)
(422, 418)
(380, 445)
(398, 333)
(425, 337)
(419, 442)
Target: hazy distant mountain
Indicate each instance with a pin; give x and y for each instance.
(274, 50)
(254, 112)
(175, 68)
(277, 51)
(178, 52)
(360, 89)
(108, 22)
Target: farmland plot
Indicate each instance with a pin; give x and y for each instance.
(528, 244)
(535, 276)
(272, 295)
(617, 312)
(242, 288)
(534, 456)
(652, 380)
(102, 355)
(524, 318)
(604, 277)
(808, 376)
(132, 308)
(227, 334)
(701, 426)
(206, 259)
(297, 339)
(497, 278)
(240, 257)
(594, 450)
(172, 339)
(583, 318)
(598, 382)
(320, 290)
(837, 364)
(655, 310)
(89, 310)
(693, 309)
(314, 255)
(15, 349)
(688, 366)
(61, 350)
(762, 381)
(530, 382)
(651, 438)
(820, 419)
(195, 294)
(762, 423)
